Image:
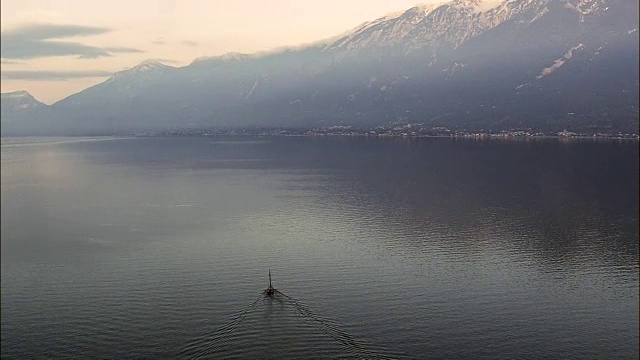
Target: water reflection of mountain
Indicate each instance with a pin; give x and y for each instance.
(573, 203)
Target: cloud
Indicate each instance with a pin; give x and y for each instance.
(10, 62)
(52, 31)
(37, 41)
(52, 75)
(123, 50)
(162, 41)
(189, 43)
(109, 51)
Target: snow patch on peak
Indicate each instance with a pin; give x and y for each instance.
(477, 6)
(149, 65)
(384, 31)
(147, 68)
(417, 12)
(587, 7)
(433, 25)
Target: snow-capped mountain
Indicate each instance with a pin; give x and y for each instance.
(18, 108)
(474, 64)
(146, 69)
(451, 24)
(126, 83)
(19, 100)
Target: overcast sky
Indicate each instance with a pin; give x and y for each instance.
(55, 48)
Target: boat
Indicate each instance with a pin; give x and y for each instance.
(270, 290)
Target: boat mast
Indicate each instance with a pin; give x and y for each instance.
(270, 290)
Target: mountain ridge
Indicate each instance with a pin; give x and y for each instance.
(543, 64)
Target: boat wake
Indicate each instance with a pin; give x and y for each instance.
(204, 347)
(268, 328)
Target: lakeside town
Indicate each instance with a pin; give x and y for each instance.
(408, 130)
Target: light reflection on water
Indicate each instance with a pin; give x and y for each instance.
(435, 247)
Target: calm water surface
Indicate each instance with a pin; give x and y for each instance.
(429, 248)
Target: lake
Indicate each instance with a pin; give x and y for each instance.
(380, 248)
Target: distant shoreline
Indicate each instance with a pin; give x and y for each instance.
(55, 139)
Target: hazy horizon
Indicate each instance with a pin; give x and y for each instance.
(55, 50)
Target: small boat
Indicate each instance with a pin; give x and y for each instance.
(270, 290)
